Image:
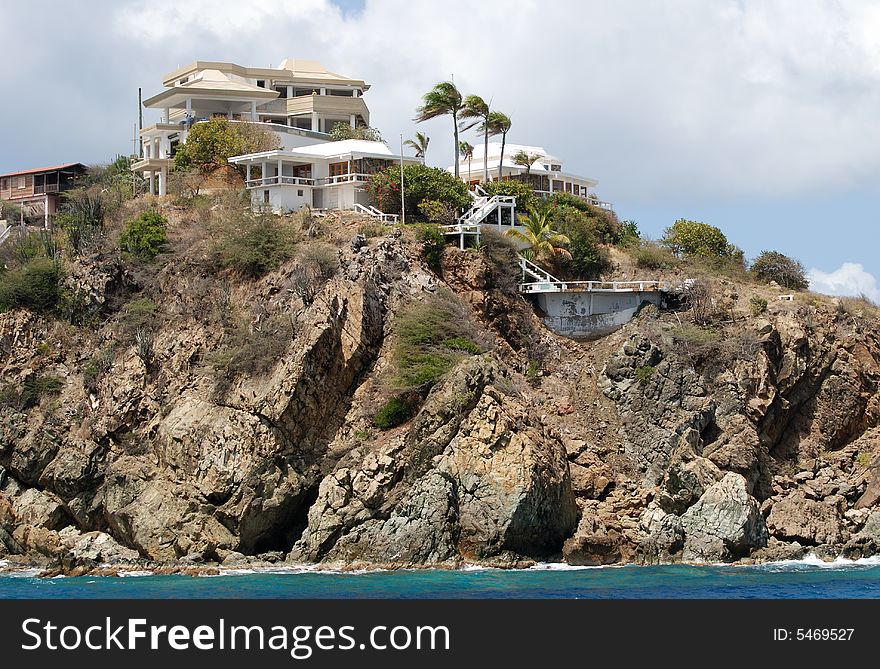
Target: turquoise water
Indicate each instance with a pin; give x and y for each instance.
(807, 579)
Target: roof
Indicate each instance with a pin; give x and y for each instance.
(53, 168)
(310, 71)
(357, 148)
(211, 82)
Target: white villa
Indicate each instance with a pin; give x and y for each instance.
(300, 101)
(545, 174)
(328, 175)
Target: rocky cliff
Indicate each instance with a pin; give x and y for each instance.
(755, 439)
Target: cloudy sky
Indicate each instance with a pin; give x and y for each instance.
(759, 116)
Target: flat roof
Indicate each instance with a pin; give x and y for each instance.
(53, 168)
(295, 69)
(347, 147)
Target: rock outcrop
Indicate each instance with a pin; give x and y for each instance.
(234, 423)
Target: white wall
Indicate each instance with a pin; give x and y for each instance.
(283, 199)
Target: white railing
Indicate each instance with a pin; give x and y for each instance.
(593, 286)
(5, 233)
(288, 181)
(375, 213)
(589, 199)
(344, 179)
(536, 272)
(483, 206)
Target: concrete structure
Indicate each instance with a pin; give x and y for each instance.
(38, 191)
(545, 175)
(300, 101)
(588, 314)
(328, 175)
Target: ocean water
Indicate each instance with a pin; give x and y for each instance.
(804, 579)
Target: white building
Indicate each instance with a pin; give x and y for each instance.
(545, 174)
(327, 175)
(300, 100)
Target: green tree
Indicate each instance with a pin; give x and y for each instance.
(775, 266)
(696, 239)
(499, 124)
(341, 131)
(210, 144)
(145, 236)
(525, 196)
(525, 160)
(444, 99)
(422, 183)
(588, 258)
(466, 151)
(419, 144)
(33, 286)
(541, 240)
(475, 112)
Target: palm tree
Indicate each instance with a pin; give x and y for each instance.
(420, 144)
(525, 160)
(538, 234)
(466, 151)
(476, 112)
(499, 124)
(441, 100)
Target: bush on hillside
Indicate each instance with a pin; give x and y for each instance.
(525, 196)
(433, 241)
(650, 255)
(145, 236)
(396, 411)
(421, 183)
(34, 286)
(344, 130)
(209, 144)
(438, 212)
(696, 239)
(604, 224)
(432, 335)
(588, 259)
(253, 244)
(774, 266)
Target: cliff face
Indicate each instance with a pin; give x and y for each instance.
(639, 447)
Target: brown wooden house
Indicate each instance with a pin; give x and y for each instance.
(38, 191)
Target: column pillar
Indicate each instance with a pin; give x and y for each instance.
(247, 177)
(162, 181)
(315, 121)
(289, 92)
(189, 106)
(352, 121)
(263, 167)
(166, 115)
(152, 178)
(280, 170)
(253, 110)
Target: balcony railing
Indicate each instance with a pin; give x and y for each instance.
(48, 188)
(589, 199)
(302, 181)
(285, 181)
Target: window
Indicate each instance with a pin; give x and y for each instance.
(337, 169)
(4, 184)
(261, 83)
(282, 91)
(265, 197)
(299, 192)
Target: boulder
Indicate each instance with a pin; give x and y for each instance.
(807, 521)
(725, 524)
(40, 509)
(686, 480)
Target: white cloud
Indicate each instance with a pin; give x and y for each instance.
(848, 279)
(674, 99)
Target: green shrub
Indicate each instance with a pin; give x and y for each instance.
(644, 373)
(438, 212)
(421, 183)
(252, 245)
(343, 130)
(396, 411)
(758, 305)
(462, 344)
(432, 335)
(33, 286)
(694, 334)
(525, 196)
(145, 236)
(696, 239)
(604, 224)
(137, 315)
(774, 266)
(629, 234)
(649, 255)
(433, 242)
(211, 143)
(33, 389)
(588, 259)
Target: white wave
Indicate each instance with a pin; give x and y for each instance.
(134, 573)
(812, 561)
